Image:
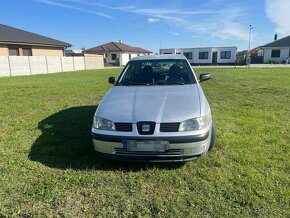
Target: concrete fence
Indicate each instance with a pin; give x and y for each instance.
(32, 65)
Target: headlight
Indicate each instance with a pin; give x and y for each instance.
(103, 124)
(194, 124)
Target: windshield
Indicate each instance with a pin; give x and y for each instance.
(157, 72)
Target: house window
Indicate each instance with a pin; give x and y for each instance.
(13, 51)
(113, 57)
(203, 55)
(275, 53)
(27, 52)
(225, 54)
(188, 55)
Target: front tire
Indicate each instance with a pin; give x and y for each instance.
(212, 137)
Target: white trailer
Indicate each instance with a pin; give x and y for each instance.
(206, 55)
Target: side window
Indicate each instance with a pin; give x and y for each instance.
(27, 52)
(13, 51)
(203, 55)
(188, 55)
(226, 54)
(113, 57)
(275, 53)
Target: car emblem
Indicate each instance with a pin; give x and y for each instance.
(145, 128)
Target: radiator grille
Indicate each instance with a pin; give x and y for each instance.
(123, 127)
(169, 127)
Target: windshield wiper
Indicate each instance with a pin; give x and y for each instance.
(133, 84)
(169, 83)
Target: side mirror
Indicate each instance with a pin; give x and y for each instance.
(204, 77)
(111, 80)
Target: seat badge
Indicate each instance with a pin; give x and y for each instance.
(145, 128)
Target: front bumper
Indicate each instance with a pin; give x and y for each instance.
(181, 148)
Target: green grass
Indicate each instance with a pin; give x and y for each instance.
(48, 166)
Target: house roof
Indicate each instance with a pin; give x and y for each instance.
(283, 42)
(12, 35)
(116, 47)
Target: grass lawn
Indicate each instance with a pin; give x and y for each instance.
(48, 166)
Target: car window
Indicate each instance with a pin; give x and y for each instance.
(156, 72)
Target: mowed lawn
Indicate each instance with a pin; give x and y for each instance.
(48, 166)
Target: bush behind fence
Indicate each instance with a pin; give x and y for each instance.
(32, 65)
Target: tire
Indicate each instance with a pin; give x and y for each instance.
(212, 137)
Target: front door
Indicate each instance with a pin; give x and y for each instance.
(214, 58)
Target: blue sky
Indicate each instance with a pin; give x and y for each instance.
(144, 23)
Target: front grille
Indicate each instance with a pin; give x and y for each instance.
(123, 127)
(171, 152)
(146, 127)
(169, 127)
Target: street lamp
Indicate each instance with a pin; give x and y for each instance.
(250, 31)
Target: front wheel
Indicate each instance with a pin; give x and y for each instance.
(212, 137)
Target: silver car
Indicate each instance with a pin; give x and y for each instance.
(156, 111)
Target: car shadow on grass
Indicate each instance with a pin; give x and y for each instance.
(65, 143)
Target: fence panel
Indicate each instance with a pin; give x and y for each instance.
(53, 64)
(94, 62)
(79, 63)
(67, 64)
(32, 65)
(38, 65)
(4, 66)
(19, 65)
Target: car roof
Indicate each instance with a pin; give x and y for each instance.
(159, 57)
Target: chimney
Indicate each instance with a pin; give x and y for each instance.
(120, 41)
(275, 37)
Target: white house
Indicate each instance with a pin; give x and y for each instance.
(117, 53)
(206, 55)
(277, 51)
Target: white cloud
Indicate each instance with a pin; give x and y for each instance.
(153, 20)
(49, 2)
(278, 12)
(174, 33)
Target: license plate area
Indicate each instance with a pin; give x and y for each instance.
(146, 146)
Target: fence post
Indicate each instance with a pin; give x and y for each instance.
(46, 64)
(29, 64)
(60, 59)
(10, 71)
(73, 60)
(85, 62)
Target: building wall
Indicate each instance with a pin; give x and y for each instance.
(284, 52)
(232, 60)
(36, 50)
(46, 51)
(3, 50)
(196, 59)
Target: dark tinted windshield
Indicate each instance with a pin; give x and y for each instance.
(157, 72)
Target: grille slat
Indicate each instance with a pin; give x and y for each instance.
(169, 127)
(124, 127)
(173, 152)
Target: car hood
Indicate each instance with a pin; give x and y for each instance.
(174, 103)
